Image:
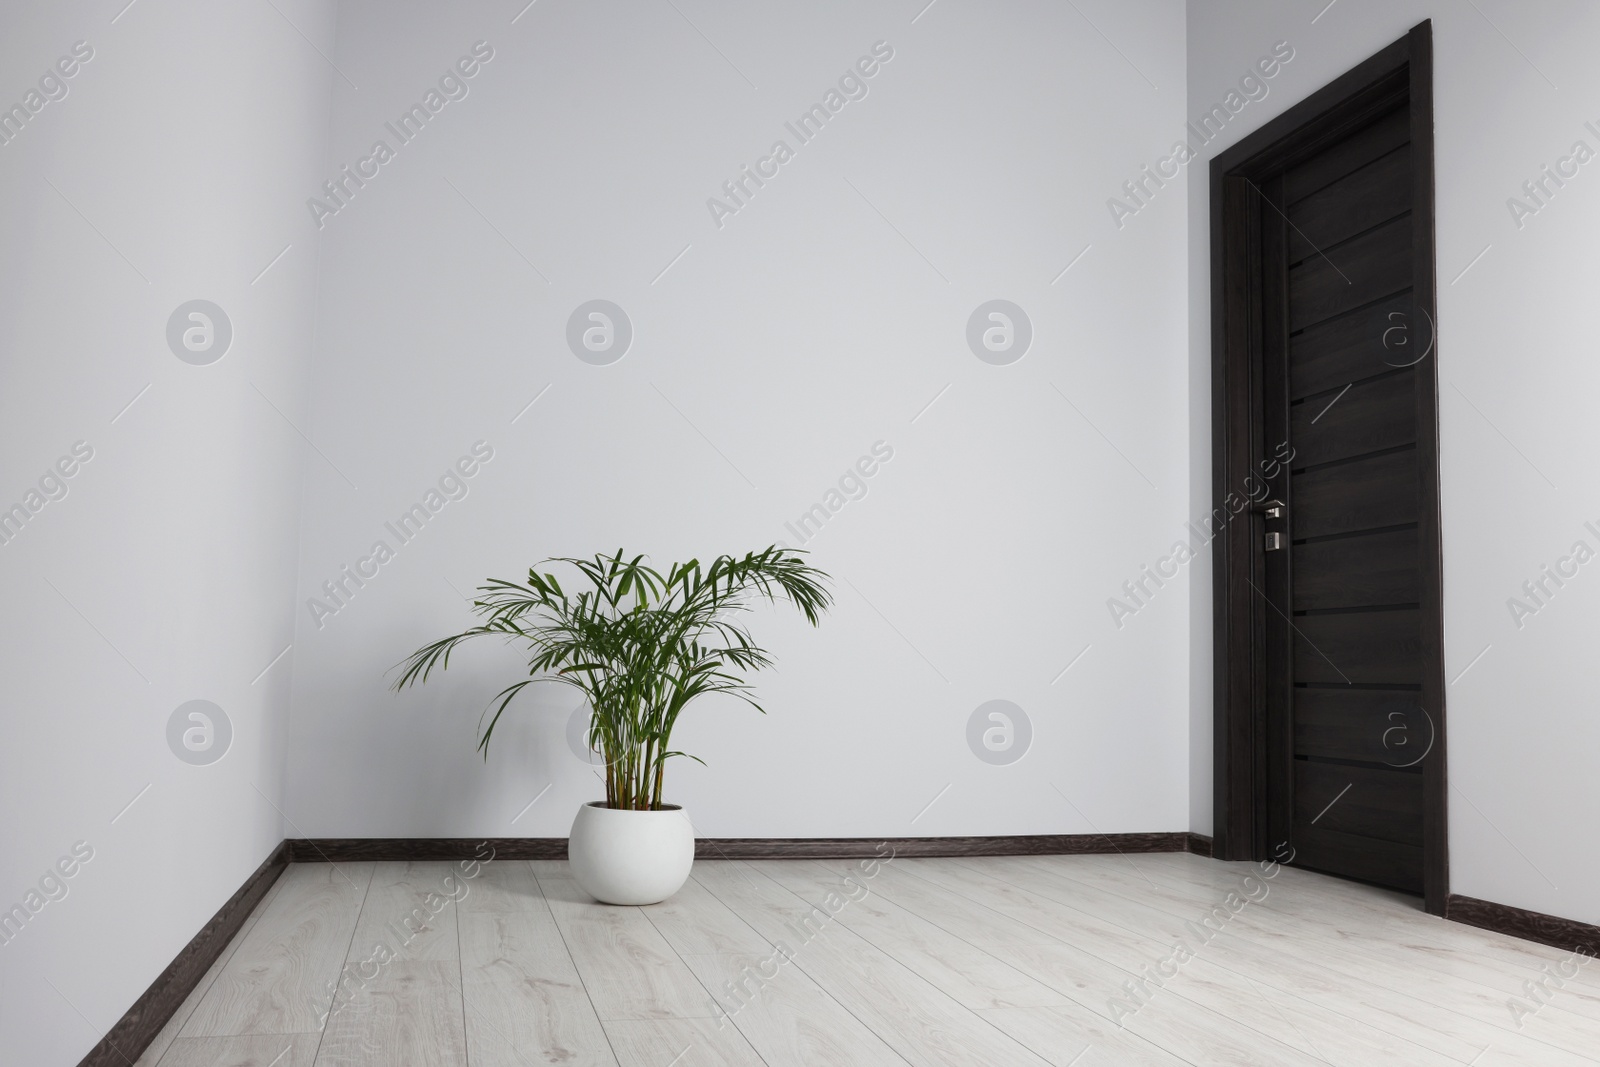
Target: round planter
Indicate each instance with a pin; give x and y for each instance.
(630, 857)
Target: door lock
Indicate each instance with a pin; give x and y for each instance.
(1274, 541)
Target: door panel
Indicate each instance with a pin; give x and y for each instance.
(1352, 153)
(1363, 494)
(1349, 348)
(1385, 804)
(1375, 194)
(1368, 571)
(1369, 417)
(1370, 859)
(1362, 647)
(1346, 276)
(1378, 726)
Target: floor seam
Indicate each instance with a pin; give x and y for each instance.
(872, 944)
(372, 872)
(562, 934)
(824, 990)
(755, 1051)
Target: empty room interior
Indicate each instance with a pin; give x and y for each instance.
(688, 533)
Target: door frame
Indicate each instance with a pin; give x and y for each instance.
(1402, 72)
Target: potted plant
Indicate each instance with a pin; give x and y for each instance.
(639, 645)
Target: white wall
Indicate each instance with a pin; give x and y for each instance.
(171, 170)
(820, 319)
(1518, 381)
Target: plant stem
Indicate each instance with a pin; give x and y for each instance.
(644, 771)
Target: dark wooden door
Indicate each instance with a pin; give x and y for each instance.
(1344, 655)
(1329, 669)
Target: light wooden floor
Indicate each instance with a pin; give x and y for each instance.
(1006, 962)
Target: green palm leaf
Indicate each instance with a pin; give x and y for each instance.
(639, 646)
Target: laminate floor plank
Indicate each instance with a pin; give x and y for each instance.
(525, 1003)
(1127, 948)
(504, 887)
(1387, 914)
(1400, 953)
(1301, 1023)
(1382, 945)
(1458, 1035)
(1355, 949)
(281, 978)
(1319, 908)
(1178, 1025)
(628, 968)
(1152, 913)
(972, 976)
(411, 1013)
(695, 923)
(1066, 1039)
(680, 1043)
(922, 1024)
(256, 1050)
(788, 1019)
(1257, 1003)
(410, 910)
(1093, 959)
(1399, 971)
(952, 912)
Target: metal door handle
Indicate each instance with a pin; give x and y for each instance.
(1272, 509)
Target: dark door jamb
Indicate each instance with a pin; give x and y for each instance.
(1400, 73)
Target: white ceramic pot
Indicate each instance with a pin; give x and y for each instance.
(631, 857)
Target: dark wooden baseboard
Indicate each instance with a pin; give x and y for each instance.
(352, 849)
(1200, 845)
(746, 848)
(1549, 930)
(132, 1034)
